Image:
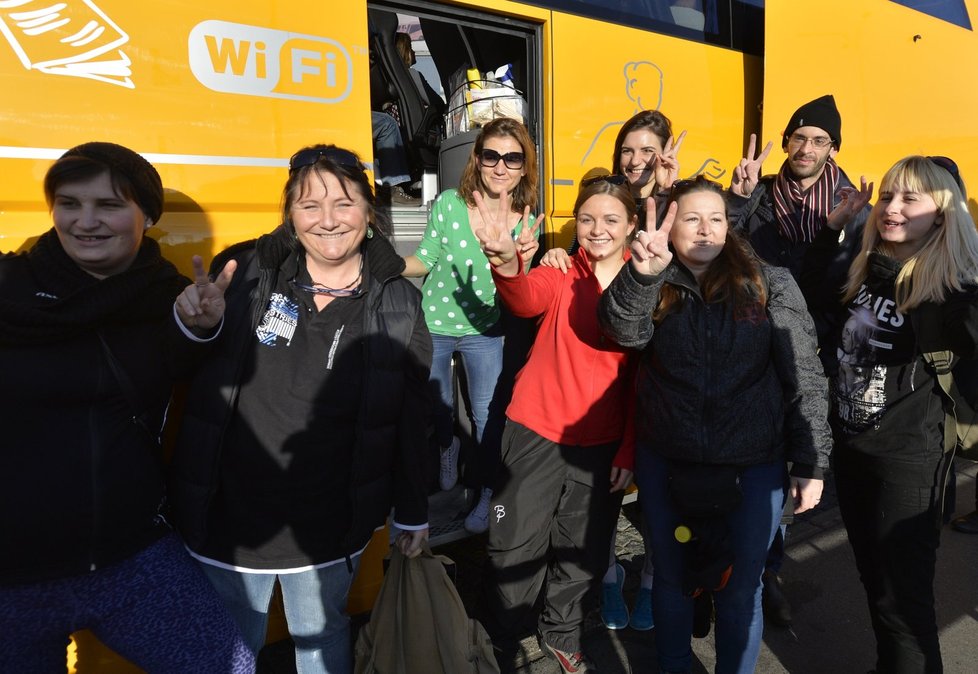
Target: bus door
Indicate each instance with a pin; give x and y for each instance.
(454, 46)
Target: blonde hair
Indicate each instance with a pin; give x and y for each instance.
(947, 260)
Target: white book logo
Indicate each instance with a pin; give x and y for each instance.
(73, 38)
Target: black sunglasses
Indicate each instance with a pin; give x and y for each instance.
(333, 154)
(613, 178)
(948, 165)
(513, 160)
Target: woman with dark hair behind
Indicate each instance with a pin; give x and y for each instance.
(308, 421)
(721, 333)
(90, 347)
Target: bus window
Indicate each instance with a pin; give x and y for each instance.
(952, 11)
(710, 21)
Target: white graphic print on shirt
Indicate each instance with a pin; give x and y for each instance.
(859, 386)
(280, 320)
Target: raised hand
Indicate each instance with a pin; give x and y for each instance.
(667, 163)
(748, 172)
(851, 202)
(558, 258)
(494, 234)
(201, 304)
(650, 249)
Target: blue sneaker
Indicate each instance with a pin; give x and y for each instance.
(614, 613)
(642, 612)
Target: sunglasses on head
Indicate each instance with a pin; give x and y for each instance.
(681, 185)
(512, 160)
(613, 178)
(948, 165)
(333, 154)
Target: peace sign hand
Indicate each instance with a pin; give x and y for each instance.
(528, 242)
(494, 235)
(667, 164)
(201, 304)
(748, 172)
(851, 201)
(650, 249)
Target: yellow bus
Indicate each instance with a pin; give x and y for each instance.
(219, 94)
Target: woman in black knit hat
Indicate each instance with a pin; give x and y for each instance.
(89, 349)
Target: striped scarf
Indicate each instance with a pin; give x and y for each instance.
(802, 214)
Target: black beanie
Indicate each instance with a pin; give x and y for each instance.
(147, 187)
(821, 113)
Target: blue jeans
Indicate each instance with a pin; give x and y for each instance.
(482, 357)
(739, 620)
(315, 610)
(391, 161)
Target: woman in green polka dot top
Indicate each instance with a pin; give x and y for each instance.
(459, 295)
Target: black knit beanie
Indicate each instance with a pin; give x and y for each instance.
(821, 113)
(147, 186)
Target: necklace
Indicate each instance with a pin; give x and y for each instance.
(352, 289)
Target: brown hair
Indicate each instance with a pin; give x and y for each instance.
(735, 273)
(402, 43)
(346, 174)
(525, 193)
(653, 120)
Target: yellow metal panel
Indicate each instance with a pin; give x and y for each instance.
(212, 92)
(903, 80)
(604, 73)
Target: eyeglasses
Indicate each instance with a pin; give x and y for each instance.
(948, 165)
(322, 290)
(818, 142)
(613, 178)
(513, 160)
(333, 154)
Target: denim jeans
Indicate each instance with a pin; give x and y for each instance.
(739, 620)
(391, 161)
(315, 610)
(482, 357)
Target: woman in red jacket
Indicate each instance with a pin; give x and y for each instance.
(566, 454)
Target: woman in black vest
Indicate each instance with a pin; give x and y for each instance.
(308, 421)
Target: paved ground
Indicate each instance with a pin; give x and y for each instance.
(831, 630)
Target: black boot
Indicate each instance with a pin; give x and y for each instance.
(777, 609)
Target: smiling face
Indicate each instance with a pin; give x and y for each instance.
(906, 220)
(499, 179)
(639, 151)
(603, 227)
(699, 229)
(330, 223)
(100, 230)
(805, 160)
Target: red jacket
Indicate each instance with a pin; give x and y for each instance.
(578, 386)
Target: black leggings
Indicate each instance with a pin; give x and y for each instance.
(894, 534)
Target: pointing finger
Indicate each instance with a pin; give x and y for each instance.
(752, 146)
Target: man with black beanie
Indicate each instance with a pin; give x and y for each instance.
(781, 214)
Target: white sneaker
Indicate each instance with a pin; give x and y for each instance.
(478, 520)
(448, 472)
